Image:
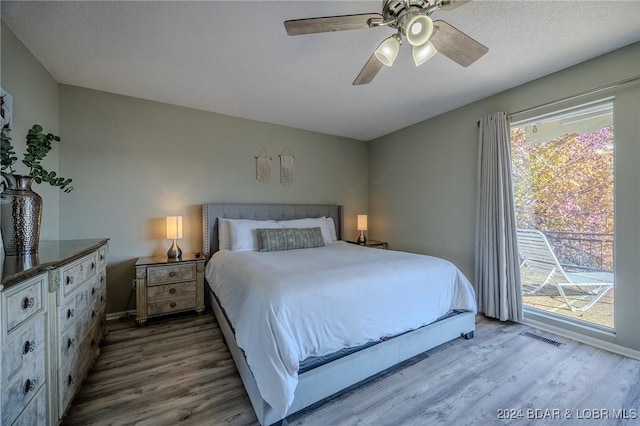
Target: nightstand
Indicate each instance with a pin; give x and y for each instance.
(165, 286)
(373, 243)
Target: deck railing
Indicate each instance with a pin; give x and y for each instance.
(582, 250)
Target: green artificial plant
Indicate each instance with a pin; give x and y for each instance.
(38, 146)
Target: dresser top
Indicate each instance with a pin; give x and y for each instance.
(51, 254)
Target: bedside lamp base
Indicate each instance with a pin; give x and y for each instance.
(174, 252)
(361, 239)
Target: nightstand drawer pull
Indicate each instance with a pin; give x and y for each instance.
(70, 380)
(172, 304)
(29, 346)
(93, 314)
(172, 290)
(27, 302)
(70, 342)
(29, 385)
(70, 313)
(172, 274)
(69, 279)
(93, 265)
(93, 291)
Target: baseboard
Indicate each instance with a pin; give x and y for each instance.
(120, 315)
(607, 346)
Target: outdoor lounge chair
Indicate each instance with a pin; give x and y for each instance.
(536, 253)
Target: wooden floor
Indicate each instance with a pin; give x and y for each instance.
(178, 371)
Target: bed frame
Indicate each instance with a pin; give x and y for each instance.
(328, 379)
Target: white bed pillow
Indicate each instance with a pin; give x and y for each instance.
(332, 229)
(243, 232)
(310, 222)
(224, 238)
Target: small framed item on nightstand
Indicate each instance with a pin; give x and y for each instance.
(169, 285)
(372, 243)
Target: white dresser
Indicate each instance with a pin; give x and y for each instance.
(79, 289)
(52, 319)
(24, 353)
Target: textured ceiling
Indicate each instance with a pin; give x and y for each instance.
(235, 58)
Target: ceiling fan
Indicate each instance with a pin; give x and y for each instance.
(411, 19)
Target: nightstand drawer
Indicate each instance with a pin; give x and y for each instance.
(171, 305)
(158, 275)
(171, 291)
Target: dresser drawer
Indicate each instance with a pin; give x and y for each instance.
(23, 348)
(68, 342)
(36, 412)
(102, 256)
(67, 314)
(171, 305)
(23, 304)
(158, 275)
(171, 291)
(74, 274)
(68, 382)
(18, 393)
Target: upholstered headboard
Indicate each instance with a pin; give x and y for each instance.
(212, 211)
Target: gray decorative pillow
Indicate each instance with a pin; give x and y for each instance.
(277, 239)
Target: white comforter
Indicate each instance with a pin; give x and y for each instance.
(286, 306)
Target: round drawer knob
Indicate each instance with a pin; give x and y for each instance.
(172, 290)
(29, 346)
(172, 274)
(172, 304)
(29, 385)
(27, 302)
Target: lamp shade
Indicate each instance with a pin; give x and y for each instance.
(388, 50)
(419, 29)
(174, 227)
(362, 222)
(422, 54)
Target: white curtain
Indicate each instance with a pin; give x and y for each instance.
(497, 275)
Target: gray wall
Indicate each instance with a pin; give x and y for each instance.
(35, 101)
(422, 196)
(136, 161)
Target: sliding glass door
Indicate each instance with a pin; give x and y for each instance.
(563, 179)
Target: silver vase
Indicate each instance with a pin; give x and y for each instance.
(20, 215)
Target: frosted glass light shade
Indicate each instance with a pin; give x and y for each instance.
(388, 50)
(422, 54)
(419, 30)
(362, 222)
(174, 227)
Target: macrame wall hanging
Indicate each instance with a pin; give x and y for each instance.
(263, 167)
(286, 167)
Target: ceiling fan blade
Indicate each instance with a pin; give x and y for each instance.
(456, 45)
(330, 23)
(452, 4)
(369, 71)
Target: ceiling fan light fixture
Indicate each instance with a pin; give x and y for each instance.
(388, 50)
(418, 30)
(422, 54)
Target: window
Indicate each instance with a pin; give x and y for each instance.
(563, 181)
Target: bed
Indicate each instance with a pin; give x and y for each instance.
(290, 369)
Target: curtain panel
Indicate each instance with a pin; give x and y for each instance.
(497, 275)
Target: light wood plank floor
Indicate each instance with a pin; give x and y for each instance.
(178, 370)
